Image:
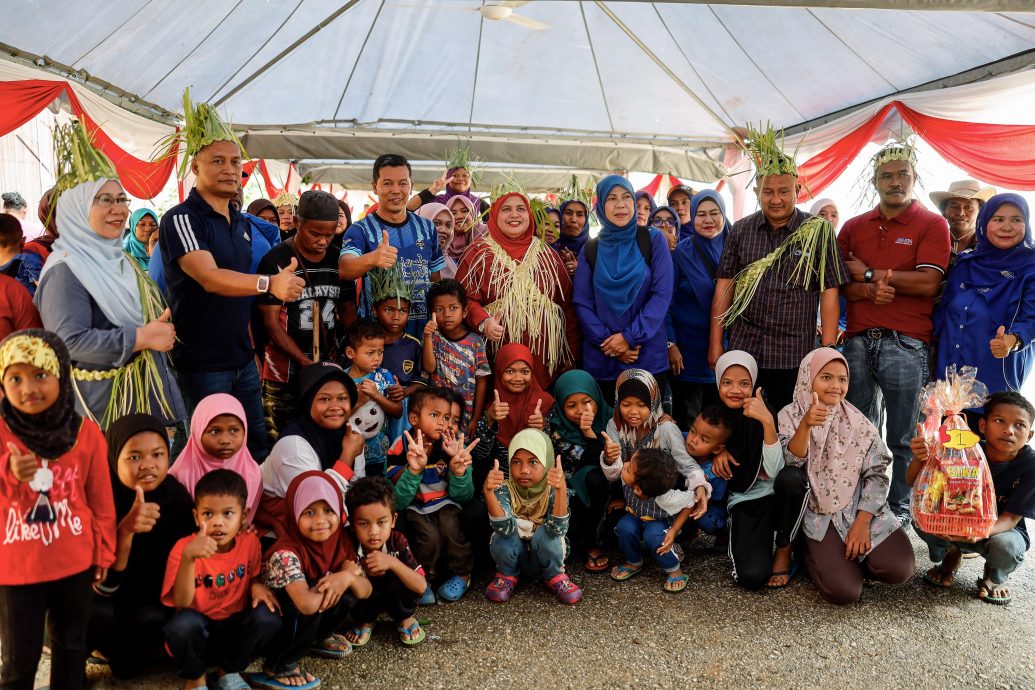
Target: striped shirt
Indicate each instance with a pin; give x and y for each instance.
(779, 325)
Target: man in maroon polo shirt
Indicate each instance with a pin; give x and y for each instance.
(896, 256)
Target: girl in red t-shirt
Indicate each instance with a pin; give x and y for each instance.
(59, 516)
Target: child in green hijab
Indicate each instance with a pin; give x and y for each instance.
(529, 517)
(576, 425)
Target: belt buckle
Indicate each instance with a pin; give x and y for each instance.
(875, 333)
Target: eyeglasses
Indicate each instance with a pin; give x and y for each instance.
(107, 200)
(662, 222)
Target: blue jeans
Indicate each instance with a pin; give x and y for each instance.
(1003, 552)
(886, 377)
(634, 534)
(243, 384)
(542, 555)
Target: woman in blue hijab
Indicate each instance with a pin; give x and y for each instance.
(694, 260)
(622, 300)
(986, 317)
(142, 224)
(665, 220)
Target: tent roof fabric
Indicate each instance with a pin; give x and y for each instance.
(646, 79)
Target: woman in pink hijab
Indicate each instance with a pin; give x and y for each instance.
(218, 432)
(442, 218)
(466, 226)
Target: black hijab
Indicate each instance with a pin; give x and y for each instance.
(146, 567)
(53, 432)
(326, 442)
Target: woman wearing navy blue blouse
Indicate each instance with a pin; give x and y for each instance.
(986, 317)
(622, 300)
(695, 260)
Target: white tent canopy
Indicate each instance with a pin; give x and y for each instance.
(609, 85)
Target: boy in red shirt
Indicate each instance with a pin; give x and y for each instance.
(225, 615)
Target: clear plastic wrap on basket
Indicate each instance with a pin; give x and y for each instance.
(953, 494)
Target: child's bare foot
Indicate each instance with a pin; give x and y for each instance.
(781, 576)
(944, 574)
(992, 593)
(294, 677)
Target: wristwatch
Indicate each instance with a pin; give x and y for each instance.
(1018, 344)
(671, 344)
(262, 285)
(868, 276)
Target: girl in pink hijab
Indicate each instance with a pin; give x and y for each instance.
(466, 226)
(442, 218)
(218, 432)
(851, 530)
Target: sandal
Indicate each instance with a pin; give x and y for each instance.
(674, 584)
(453, 589)
(360, 634)
(597, 564)
(501, 588)
(273, 681)
(790, 573)
(626, 571)
(411, 635)
(935, 578)
(334, 646)
(986, 590)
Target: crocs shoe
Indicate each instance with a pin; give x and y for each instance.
(501, 588)
(566, 591)
(453, 588)
(428, 598)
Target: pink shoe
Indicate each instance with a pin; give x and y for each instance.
(567, 592)
(501, 588)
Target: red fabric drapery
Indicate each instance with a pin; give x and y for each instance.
(820, 171)
(23, 100)
(652, 186)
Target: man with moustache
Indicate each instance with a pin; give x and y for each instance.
(896, 255)
(392, 236)
(778, 326)
(960, 205)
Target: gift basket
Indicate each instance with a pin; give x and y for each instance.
(953, 496)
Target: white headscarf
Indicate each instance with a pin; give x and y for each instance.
(98, 263)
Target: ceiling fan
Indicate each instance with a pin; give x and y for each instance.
(496, 11)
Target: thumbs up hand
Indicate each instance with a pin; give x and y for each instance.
(883, 293)
(612, 450)
(818, 412)
(918, 445)
(492, 328)
(142, 517)
(555, 477)
(536, 420)
(23, 465)
(497, 410)
(586, 417)
(201, 546)
(1003, 343)
(158, 335)
(385, 255)
(431, 327)
(285, 285)
(495, 478)
(755, 408)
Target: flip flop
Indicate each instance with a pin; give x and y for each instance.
(597, 564)
(334, 646)
(362, 634)
(406, 632)
(987, 597)
(937, 581)
(675, 584)
(790, 573)
(267, 681)
(621, 573)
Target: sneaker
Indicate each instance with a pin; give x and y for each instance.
(567, 592)
(906, 521)
(501, 588)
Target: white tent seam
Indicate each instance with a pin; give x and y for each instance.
(596, 66)
(854, 52)
(477, 65)
(113, 32)
(359, 55)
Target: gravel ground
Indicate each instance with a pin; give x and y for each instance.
(712, 635)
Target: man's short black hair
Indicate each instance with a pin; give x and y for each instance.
(365, 329)
(390, 160)
(222, 483)
(449, 286)
(10, 230)
(367, 490)
(656, 471)
(1009, 398)
(716, 415)
(422, 396)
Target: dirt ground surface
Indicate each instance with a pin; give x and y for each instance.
(713, 635)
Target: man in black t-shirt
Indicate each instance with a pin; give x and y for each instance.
(306, 330)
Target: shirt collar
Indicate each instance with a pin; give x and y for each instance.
(903, 218)
(198, 202)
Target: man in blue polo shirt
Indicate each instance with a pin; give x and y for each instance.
(207, 251)
(392, 234)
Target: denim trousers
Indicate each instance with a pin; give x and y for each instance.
(1003, 552)
(541, 555)
(886, 375)
(242, 383)
(634, 534)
